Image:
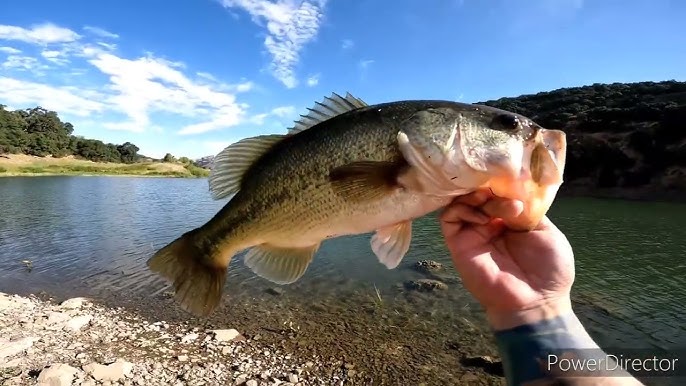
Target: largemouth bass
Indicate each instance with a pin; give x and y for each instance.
(350, 168)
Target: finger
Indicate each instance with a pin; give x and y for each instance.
(457, 212)
(490, 230)
(462, 244)
(503, 208)
(476, 198)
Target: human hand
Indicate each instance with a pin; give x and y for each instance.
(518, 277)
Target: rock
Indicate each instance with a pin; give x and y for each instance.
(425, 285)
(56, 317)
(78, 322)
(10, 348)
(58, 374)
(240, 380)
(276, 291)
(112, 372)
(292, 378)
(227, 335)
(487, 363)
(73, 303)
(182, 358)
(189, 338)
(428, 266)
(8, 302)
(251, 382)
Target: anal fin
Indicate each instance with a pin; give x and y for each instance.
(390, 244)
(280, 265)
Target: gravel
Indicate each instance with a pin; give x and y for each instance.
(79, 342)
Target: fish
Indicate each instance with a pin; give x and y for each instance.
(348, 168)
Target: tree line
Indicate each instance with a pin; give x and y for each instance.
(40, 132)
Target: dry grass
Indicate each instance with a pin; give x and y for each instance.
(25, 165)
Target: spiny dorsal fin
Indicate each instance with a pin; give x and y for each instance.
(232, 162)
(326, 109)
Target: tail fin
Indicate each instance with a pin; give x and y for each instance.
(198, 284)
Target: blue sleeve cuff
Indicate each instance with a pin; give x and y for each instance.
(525, 349)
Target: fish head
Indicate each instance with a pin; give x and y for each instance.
(522, 160)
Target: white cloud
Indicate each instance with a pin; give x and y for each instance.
(347, 44)
(10, 50)
(150, 84)
(283, 111)
(54, 56)
(43, 34)
(364, 64)
(20, 62)
(103, 33)
(290, 26)
(137, 94)
(63, 100)
(313, 80)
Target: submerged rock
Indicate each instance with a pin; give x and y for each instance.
(428, 266)
(425, 285)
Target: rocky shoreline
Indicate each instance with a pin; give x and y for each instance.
(285, 338)
(79, 342)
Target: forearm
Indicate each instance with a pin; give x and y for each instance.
(533, 352)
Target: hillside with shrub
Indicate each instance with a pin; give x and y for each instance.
(37, 141)
(624, 139)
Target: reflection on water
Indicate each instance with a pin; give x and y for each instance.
(94, 234)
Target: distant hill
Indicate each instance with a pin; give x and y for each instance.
(624, 140)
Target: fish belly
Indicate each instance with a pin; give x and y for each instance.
(359, 219)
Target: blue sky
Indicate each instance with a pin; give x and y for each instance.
(191, 76)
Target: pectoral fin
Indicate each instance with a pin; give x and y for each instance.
(280, 265)
(390, 244)
(366, 180)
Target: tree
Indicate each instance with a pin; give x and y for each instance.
(168, 158)
(128, 152)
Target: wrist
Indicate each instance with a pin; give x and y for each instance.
(547, 310)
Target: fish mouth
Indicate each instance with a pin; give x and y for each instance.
(537, 185)
(555, 142)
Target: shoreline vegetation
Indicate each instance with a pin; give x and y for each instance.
(13, 165)
(36, 141)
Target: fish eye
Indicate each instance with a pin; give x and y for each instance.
(505, 122)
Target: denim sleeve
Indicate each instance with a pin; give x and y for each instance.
(527, 351)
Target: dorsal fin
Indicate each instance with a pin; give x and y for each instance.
(326, 109)
(232, 162)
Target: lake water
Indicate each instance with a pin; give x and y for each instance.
(92, 236)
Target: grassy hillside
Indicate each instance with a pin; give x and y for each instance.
(21, 164)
